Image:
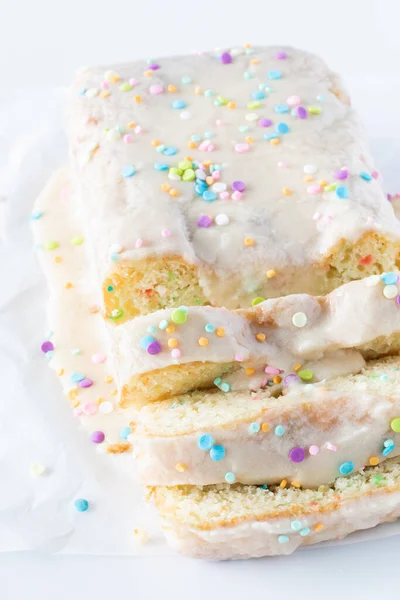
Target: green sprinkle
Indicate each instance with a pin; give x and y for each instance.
(125, 87)
(257, 300)
(305, 374)
(314, 110)
(51, 245)
(110, 288)
(77, 240)
(179, 316)
(185, 164)
(330, 188)
(254, 104)
(116, 314)
(222, 100)
(189, 175)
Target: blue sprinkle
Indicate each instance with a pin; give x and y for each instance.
(184, 308)
(160, 166)
(270, 136)
(145, 341)
(254, 427)
(388, 443)
(230, 477)
(258, 95)
(225, 387)
(209, 93)
(283, 539)
(209, 196)
(217, 453)
(390, 278)
(195, 138)
(81, 504)
(282, 128)
(281, 108)
(186, 80)
(384, 377)
(178, 104)
(36, 215)
(128, 171)
(125, 431)
(365, 176)
(305, 531)
(208, 134)
(279, 430)
(248, 75)
(205, 442)
(75, 377)
(342, 192)
(264, 486)
(346, 468)
(243, 128)
(82, 92)
(209, 328)
(218, 381)
(75, 352)
(160, 148)
(274, 74)
(296, 525)
(170, 151)
(163, 324)
(151, 329)
(199, 189)
(49, 354)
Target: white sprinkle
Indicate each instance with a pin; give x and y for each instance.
(185, 115)
(37, 469)
(222, 219)
(200, 174)
(113, 135)
(390, 291)
(174, 176)
(251, 117)
(310, 169)
(299, 319)
(219, 187)
(91, 92)
(372, 281)
(316, 216)
(106, 408)
(330, 447)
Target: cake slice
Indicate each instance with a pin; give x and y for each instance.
(226, 522)
(294, 338)
(306, 438)
(222, 177)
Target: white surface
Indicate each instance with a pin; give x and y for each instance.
(42, 43)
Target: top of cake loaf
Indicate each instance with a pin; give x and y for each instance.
(248, 163)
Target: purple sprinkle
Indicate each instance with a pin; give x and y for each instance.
(226, 58)
(86, 382)
(301, 112)
(47, 347)
(238, 186)
(265, 122)
(398, 299)
(297, 455)
(204, 221)
(290, 379)
(281, 55)
(154, 347)
(153, 67)
(342, 174)
(97, 437)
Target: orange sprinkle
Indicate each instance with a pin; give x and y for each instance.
(277, 379)
(231, 105)
(165, 187)
(247, 46)
(286, 191)
(296, 484)
(283, 483)
(206, 163)
(114, 392)
(138, 99)
(60, 372)
(155, 143)
(131, 124)
(265, 427)
(148, 73)
(119, 448)
(202, 341)
(318, 527)
(248, 241)
(220, 331)
(260, 337)
(275, 141)
(109, 379)
(322, 183)
(189, 158)
(373, 461)
(68, 285)
(367, 260)
(192, 144)
(181, 468)
(172, 343)
(270, 273)
(209, 180)
(308, 178)
(250, 371)
(249, 139)
(171, 88)
(58, 259)
(254, 61)
(297, 367)
(197, 89)
(115, 78)
(170, 329)
(173, 192)
(105, 94)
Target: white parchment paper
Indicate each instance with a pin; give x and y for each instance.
(36, 423)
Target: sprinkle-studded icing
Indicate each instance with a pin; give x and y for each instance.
(244, 167)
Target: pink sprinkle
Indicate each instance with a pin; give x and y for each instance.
(375, 174)
(293, 101)
(204, 145)
(133, 81)
(272, 370)
(90, 408)
(240, 148)
(165, 232)
(239, 358)
(127, 138)
(138, 129)
(138, 243)
(78, 411)
(105, 85)
(216, 175)
(218, 122)
(176, 353)
(156, 89)
(98, 358)
(264, 382)
(237, 195)
(210, 148)
(282, 164)
(313, 450)
(224, 195)
(330, 447)
(313, 189)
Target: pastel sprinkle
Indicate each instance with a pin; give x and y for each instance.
(47, 346)
(254, 427)
(282, 128)
(160, 166)
(313, 450)
(395, 424)
(205, 442)
(238, 186)
(81, 505)
(297, 455)
(305, 374)
(225, 58)
(342, 192)
(299, 319)
(178, 104)
(156, 89)
(274, 74)
(128, 171)
(145, 341)
(179, 316)
(154, 348)
(279, 430)
(204, 221)
(265, 122)
(390, 278)
(305, 531)
(301, 112)
(296, 525)
(37, 469)
(242, 147)
(125, 432)
(346, 468)
(342, 174)
(365, 176)
(230, 477)
(97, 437)
(390, 291)
(217, 453)
(86, 382)
(283, 539)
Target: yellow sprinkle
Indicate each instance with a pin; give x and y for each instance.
(197, 89)
(308, 178)
(296, 484)
(138, 99)
(318, 527)
(206, 163)
(172, 343)
(265, 427)
(60, 372)
(109, 379)
(250, 371)
(249, 139)
(75, 403)
(170, 329)
(155, 143)
(277, 379)
(275, 141)
(231, 105)
(180, 467)
(283, 483)
(297, 367)
(173, 192)
(77, 240)
(220, 331)
(260, 337)
(148, 73)
(209, 180)
(171, 88)
(72, 394)
(165, 187)
(270, 273)
(58, 259)
(248, 241)
(254, 61)
(141, 535)
(105, 94)
(100, 400)
(68, 285)
(286, 191)
(132, 124)
(192, 144)
(203, 341)
(373, 461)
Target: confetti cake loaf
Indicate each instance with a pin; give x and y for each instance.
(224, 177)
(306, 438)
(270, 345)
(224, 522)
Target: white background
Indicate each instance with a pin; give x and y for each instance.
(42, 43)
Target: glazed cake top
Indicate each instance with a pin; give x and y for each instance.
(240, 161)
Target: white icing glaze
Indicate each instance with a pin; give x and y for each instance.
(290, 230)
